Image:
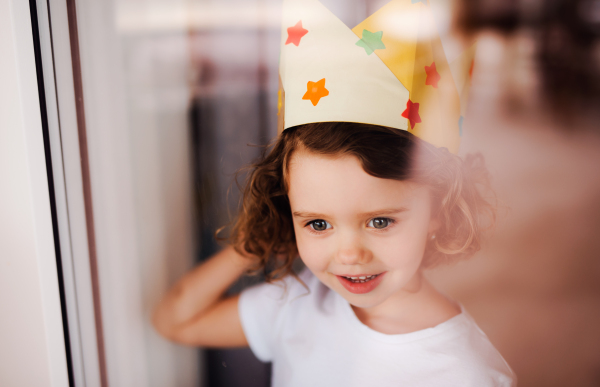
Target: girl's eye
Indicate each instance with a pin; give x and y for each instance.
(319, 225)
(380, 222)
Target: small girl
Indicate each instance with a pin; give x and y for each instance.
(367, 200)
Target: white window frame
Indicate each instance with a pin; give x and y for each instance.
(32, 345)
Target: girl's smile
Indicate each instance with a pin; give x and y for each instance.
(361, 283)
(362, 236)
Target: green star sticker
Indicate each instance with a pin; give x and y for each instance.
(371, 41)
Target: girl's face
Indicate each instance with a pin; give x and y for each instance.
(351, 224)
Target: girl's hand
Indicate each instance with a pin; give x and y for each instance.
(194, 312)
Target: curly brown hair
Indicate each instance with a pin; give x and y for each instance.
(264, 231)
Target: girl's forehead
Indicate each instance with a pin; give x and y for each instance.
(332, 181)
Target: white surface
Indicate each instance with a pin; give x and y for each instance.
(58, 82)
(315, 339)
(32, 351)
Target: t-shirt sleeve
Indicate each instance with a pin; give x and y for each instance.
(261, 309)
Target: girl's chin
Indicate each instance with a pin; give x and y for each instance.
(364, 304)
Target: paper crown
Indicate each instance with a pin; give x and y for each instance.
(389, 70)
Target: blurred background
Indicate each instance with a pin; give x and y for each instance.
(178, 94)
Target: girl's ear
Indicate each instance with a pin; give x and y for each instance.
(434, 225)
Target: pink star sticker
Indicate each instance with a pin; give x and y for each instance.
(433, 76)
(296, 33)
(412, 113)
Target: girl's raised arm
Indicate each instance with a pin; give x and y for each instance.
(194, 311)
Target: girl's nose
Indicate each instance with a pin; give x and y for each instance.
(351, 251)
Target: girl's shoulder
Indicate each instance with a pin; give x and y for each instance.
(267, 309)
(477, 358)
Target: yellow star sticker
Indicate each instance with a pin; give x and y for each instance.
(279, 103)
(315, 91)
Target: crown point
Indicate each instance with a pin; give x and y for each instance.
(412, 113)
(315, 91)
(295, 33)
(433, 76)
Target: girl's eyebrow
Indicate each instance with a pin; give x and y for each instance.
(388, 211)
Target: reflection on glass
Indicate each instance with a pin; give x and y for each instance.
(185, 86)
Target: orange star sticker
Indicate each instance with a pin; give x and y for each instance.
(433, 76)
(295, 33)
(315, 91)
(412, 113)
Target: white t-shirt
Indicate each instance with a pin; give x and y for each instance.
(314, 339)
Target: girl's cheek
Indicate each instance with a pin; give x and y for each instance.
(403, 251)
(305, 247)
(302, 244)
(313, 254)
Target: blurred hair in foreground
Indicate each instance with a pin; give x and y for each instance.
(535, 287)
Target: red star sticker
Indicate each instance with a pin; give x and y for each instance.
(433, 76)
(412, 113)
(295, 33)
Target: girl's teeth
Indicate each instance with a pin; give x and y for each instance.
(361, 279)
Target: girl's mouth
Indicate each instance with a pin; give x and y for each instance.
(360, 284)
